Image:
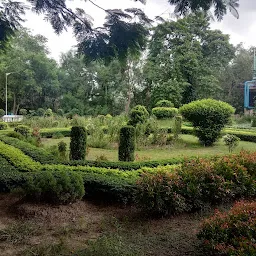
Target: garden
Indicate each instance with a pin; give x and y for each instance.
(130, 184)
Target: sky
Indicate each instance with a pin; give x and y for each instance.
(241, 30)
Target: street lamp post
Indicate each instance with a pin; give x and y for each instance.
(6, 96)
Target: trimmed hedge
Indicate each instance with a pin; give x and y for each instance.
(78, 138)
(3, 126)
(126, 144)
(49, 133)
(164, 112)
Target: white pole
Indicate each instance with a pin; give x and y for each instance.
(6, 96)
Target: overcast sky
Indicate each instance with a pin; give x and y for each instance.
(241, 30)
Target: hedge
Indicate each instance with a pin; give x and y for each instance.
(49, 133)
(78, 139)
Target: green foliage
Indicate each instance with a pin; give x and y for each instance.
(2, 113)
(177, 126)
(209, 117)
(57, 135)
(54, 187)
(23, 111)
(231, 141)
(62, 147)
(48, 112)
(16, 135)
(41, 112)
(164, 112)
(254, 122)
(60, 112)
(138, 114)
(78, 142)
(231, 233)
(3, 126)
(159, 193)
(164, 104)
(23, 130)
(126, 144)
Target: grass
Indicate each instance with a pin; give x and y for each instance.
(187, 146)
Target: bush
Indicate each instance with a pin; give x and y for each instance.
(159, 193)
(231, 141)
(15, 135)
(23, 130)
(126, 144)
(23, 112)
(164, 112)
(40, 112)
(164, 104)
(231, 233)
(209, 117)
(78, 143)
(62, 148)
(54, 187)
(48, 112)
(60, 112)
(177, 126)
(2, 112)
(138, 114)
(3, 126)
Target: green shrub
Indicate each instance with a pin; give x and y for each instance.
(209, 117)
(126, 144)
(164, 112)
(62, 147)
(177, 126)
(16, 135)
(23, 112)
(3, 126)
(40, 112)
(231, 233)
(54, 187)
(138, 114)
(60, 112)
(48, 112)
(164, 104)
(78, 143)
(2, 112)
(159, 193)
(231, 141)
(58, 135)
(23, 130)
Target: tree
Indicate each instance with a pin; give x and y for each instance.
(185, 58)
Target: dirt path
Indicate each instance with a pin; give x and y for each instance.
(29, 229)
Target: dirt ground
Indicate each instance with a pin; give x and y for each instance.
(46, 230)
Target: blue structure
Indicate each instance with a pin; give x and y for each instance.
(250, 90)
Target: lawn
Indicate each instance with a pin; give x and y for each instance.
(187, 146)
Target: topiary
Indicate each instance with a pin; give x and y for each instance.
(54, 187)
(231, 141)
(177, 126)
(23, 130)
(209, 117)
(126, 144)
(60, 112)
(41, 112)
(62, 148)
(78, 138)
(2, 112)
(165, 104)
(15, 135)
(3, 126)
(48, 112)
(164, 112)
(138, 114)
(23, 112)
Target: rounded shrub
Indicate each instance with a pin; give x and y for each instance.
(60, 112)
(3, 126)
(23, 112)
(54, 187)
(164, 112)
(126, 144)
(15, 135)
(23, 130)
(48, 112)
(208, 117)
(231, 141)
(138, 114)
(40, 112)
(2, 112)
(164, 104)
(78, 143)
